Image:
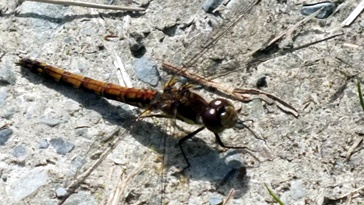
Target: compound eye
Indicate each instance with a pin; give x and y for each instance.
(219, 115)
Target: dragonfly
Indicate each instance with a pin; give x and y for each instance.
(179, 103)
(175, 102)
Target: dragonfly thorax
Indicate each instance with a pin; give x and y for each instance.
(219, 115)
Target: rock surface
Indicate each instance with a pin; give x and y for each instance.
(304, 160)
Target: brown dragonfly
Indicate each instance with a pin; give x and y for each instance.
(176, 103)
(179, 103)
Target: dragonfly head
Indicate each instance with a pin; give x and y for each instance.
(219, 115)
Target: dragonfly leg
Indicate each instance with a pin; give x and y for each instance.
(184, 139)
(241, 125)
(155, 115)
(218, 139)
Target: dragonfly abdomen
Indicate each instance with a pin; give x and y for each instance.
(142, 98)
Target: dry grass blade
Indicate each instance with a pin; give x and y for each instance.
(288, 33)
(353, 147)
(348, 195)
(218, 35)
(231, 194)
(74, 185)
(91, 5)
(123, 183)
(353, 14)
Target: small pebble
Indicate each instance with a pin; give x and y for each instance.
(361, 24)
(216, 200)
(212, 166)
(146, 71)
(5, 135)
(9, 113)
(4, 177)
(19, 151)
(136, 44)
(234, 161)
(81, 132)
(50, 121)
(309, 9)
(61, 146)
(261, 82)
(43, 144)
(210, 5)
(3, 97)
(27, 183)
(7, 75)
(298, 191)
(68, 39)
(78, 162)
(61, 192)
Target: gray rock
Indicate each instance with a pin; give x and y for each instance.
(81, 198)
(78, 162)
(5, 135)
(298, 191)
(6, 73)
(81, 132)
(43, 144)
(216, 200)
(27, 183)
(210, 5)
(68, 39)
(3, 97)
(309, 9)
(19, 151)
(136, 44)
(9, 113)
(4, 177)
(234, 160)
(53, 12)
(61, 146)
(262, 82)
(61, 192)
(50, 121)
(146, 71)
(361, 23)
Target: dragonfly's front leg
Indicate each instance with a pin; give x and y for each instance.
(184, 139)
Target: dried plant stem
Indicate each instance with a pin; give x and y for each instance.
(91, 5)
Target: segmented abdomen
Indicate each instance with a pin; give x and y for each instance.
(142, 98)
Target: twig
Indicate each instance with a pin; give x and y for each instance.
(288, 33)
(91, 5)
(73, 186)
(353, 147)
(231, 194)
(349, 194)
(353, 14)
(122, 185)
(2, 127)
(219, 34)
